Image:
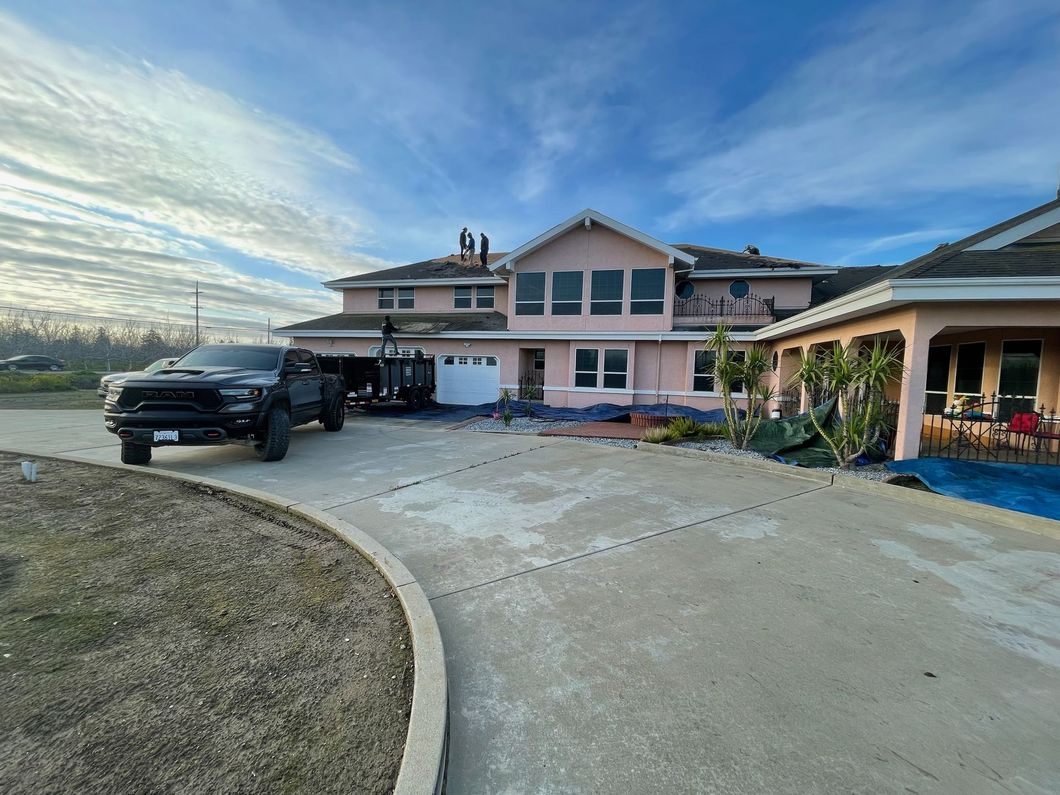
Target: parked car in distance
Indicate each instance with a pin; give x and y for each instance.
(115, 378)
(31, 362)
(219, 394)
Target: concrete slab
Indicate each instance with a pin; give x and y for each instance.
(548, 505)
(622, 622)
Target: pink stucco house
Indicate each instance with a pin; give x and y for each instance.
(595, 311)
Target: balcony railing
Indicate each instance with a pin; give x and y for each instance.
(703, 309)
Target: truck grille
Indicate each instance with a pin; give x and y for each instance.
(170, 398)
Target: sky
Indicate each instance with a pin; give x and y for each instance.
(261, 147)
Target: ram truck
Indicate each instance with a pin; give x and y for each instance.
(221, 394)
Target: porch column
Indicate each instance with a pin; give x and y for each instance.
(914, 383)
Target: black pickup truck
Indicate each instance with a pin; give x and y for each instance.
(224, 393)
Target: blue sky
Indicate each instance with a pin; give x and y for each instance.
(261, 147)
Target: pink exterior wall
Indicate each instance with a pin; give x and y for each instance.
(437, 299)
(789, 293)
(597, 248)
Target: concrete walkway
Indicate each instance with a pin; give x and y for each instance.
(616, 621)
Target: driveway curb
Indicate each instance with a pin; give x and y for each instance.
(1016, 520)
(423, 764)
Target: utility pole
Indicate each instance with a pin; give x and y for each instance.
(268, 338)
(197, 293)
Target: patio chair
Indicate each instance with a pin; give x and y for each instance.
(1042, 437)
(1025, 425)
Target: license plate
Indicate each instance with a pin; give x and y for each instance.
(167, 436)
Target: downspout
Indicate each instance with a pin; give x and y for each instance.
(658, 369)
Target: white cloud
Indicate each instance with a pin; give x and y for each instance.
(119, 179)
(899, 106)
(859, 251)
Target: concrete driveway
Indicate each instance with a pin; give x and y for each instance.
(616, 621)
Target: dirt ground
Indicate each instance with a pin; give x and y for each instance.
(160, 637)
(71, 399)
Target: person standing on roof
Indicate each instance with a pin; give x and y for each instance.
(388, 330)
(484, 250)
(471, 247)
(463, 244)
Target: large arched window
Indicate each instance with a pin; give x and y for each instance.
(739, 289)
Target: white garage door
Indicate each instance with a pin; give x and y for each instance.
(467, 380)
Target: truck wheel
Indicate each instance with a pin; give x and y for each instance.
(334, 416)
(277, 436)
(137, 454)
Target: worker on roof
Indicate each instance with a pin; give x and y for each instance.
(463, 244)
(484, 249)
(388, 330)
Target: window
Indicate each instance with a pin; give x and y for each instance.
(530, 294)
(406, 298)
(615, 361)
(461, 298)
(484, 297)
(606, 293)
(586, 364)
(739, 289)
(386, 297)
(938, 379)
(703, 372)
(969, 380)
(646, 289)
(685, 289)
(1018, 378)
(737, 357)
(567, 293)
(305, 357)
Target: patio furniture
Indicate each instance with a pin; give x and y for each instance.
(968, 432)
(1045, 432)
(1024, 424)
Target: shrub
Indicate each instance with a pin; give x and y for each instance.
(49, 382)
(683, 426)
(659, 435)
(710, 430)
(83, 379)
(19, 383)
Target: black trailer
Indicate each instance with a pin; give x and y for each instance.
(375, 379)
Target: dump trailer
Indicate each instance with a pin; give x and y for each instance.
(383, 379)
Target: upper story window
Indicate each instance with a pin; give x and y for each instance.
(530, 293)
(739, 289)
(647, 287)
(461, 298)
(567, 293)
(606, 293)
(406, 298)
(484, 297)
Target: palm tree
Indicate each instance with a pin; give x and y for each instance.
(748, 370)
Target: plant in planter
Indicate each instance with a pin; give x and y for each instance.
(505, 401)
(747, 368)
(857, 379)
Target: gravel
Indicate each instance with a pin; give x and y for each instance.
(521, 425)
(605, 442)
(869, 472)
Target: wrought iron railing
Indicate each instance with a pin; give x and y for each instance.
(750, 308)
(1004, 429)
(532, 385)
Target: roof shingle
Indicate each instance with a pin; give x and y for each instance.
(406, 322)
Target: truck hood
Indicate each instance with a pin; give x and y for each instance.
(212, 376)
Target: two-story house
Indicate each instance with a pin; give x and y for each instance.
(590, 311)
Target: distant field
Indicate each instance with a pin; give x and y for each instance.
(72, 399)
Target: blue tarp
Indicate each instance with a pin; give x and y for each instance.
(598, 413)
(1030, 488)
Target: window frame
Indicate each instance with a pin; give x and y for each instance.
(521, 306)
(566, 304)
(595, 371)
(606, 306)
(957, 391)
(459, 299)
(1038, 379)
(406, 298)
(383, 300)
(624, 373)
(711, 375)
(735, 282)
(484, 299)
(647, 306)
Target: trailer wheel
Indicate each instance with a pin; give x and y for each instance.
(334, 416)
(133, 453)
(412, 402)
(277, 436)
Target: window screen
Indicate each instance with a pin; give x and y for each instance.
(606, 293)
(530, 294)
(386, 297)
(647, 287)
(484, 297)
(461, 297)
(586, 365)
(567, 293)
(615, 361)
(969, 380)
(1020, 362)
(406, 298)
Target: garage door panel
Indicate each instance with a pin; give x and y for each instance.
(467, 380)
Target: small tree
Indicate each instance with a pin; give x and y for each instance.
(857, 378)
(730, 370)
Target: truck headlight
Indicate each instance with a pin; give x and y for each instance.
(113, 392)
(244, 393)
(233, 407)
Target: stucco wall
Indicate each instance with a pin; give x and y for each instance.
(788, 293)
(597, 248)
(428, 299)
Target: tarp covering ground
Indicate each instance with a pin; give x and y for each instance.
(795, 440)
(1029, 488)
(601, 412)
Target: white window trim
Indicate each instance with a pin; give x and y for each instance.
(398, 298)
(380, 298)
(660, 300)
(621, 296)
(544, 294)
(596, 372)
(479, 296)
(470, 296)
(982, 378)
(1041, 359)
(604, 372)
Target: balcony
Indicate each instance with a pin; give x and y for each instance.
(704, 310)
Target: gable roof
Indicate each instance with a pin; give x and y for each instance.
(720, 259)
(591, 216)
(846, 279)
(447, 267)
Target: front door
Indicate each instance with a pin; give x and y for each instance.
(532, 377)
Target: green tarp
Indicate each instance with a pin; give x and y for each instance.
(795, 440)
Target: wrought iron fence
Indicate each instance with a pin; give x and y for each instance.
(532, 385)
(1003, 429)
(750, 308)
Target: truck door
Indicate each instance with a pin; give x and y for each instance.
(303, 384)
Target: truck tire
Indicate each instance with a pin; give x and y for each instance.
(277, 435)
(334, 415)
(136, 454)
